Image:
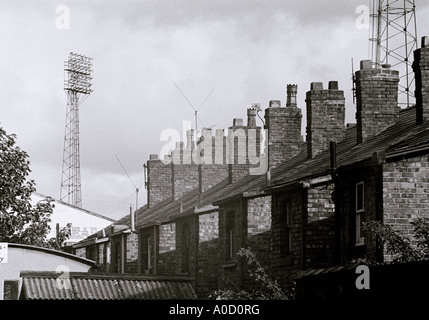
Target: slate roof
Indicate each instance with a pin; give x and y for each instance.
(403, 136)
(86, 286)
(161, 212)
(405, 130)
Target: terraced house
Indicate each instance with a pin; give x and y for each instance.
(304, 210)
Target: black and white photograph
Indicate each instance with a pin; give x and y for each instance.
(214, 158)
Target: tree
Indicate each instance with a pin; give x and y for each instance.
(20, 221)
(401, 247)
(269, 289)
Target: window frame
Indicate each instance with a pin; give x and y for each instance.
(359, 212)
(286, 229)
(230, 233)
(186, 243)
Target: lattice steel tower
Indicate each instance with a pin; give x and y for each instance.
(393, 41)
(77, 85)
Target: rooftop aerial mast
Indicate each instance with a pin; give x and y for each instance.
(393, 41)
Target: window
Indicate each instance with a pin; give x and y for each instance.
(91, 253)
(230, 253)
(185, 248)
(360, 208)
(147, 252)
(117, 257)
(149, 244)
(10, 289)
(286, 232)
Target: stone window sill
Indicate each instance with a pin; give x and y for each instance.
(284, 261)
(230, 264)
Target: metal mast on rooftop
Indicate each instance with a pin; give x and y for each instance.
(77, 85)
(393, 41)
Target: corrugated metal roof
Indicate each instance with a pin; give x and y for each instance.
(331, 270)
(44, 286)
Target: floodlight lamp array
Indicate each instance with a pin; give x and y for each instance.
(78, 74)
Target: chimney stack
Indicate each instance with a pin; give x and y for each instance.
(325, 117)
(158, 181)
(212, 169)
(421, 72)
(284, 128)
(237, 151)
(184, 171)
(377, 99)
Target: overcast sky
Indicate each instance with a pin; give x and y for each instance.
(242, 51)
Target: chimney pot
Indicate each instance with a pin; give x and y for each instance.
(316, 86)
(274, 103)
(291, 95)
(366, 64)
(190, 139)
(251, 117)
(425, 42)
(333, 85)
(237, 122)
(153, 157)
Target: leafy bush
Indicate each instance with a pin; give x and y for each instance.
(400, 246)
(270, 290)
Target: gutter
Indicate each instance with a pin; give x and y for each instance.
(305, 183)
(404, 153)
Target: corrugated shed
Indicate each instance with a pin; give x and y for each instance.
(156, 290)
(96, 289)
(44, 286)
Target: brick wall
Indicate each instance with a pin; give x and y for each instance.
(258, 236)
(208, 264)
(101, 252)
(186, 237)
(283, 265)
(252, 222)
(231, 270)
(346, 206)
(159, 181)
(320, 227)
(236, 151)
(325, 117)
(81, 252)
(376, 99)
(405, 193)
(102, 256)
(132, 253)
(116, 253)
(185, 179)
(148, 240)
(214, 169)
(284, 131)
(167, 256)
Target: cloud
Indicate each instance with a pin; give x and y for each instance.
(246, 50)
